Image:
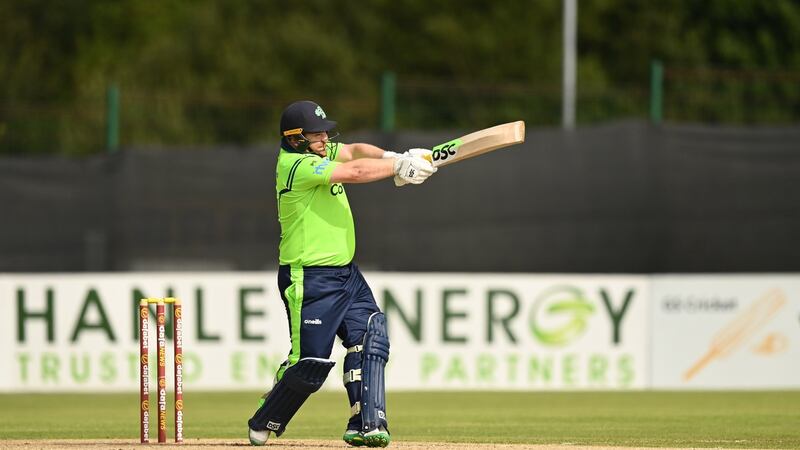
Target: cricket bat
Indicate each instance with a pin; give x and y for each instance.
(478, 143)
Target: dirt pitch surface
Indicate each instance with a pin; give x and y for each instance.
(293, 444)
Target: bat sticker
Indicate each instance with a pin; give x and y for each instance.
(447, 150)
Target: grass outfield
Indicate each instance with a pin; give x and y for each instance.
(644, 419)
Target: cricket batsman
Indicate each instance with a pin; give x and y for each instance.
(323, 291)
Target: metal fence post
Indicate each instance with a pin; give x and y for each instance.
(388, 88)
(656, 91)
(112, 118)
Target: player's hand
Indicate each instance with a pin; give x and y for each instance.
(412, 169)
(423, 153)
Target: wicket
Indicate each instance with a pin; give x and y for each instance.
(144, 367)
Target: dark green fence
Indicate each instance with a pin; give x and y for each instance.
(120, 116)
(624, 197)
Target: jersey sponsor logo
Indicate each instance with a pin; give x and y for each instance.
(337, 189)
(321, 167)
(313, 322)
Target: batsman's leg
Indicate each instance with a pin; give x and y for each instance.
(373, 393)
(287, 396)
(352, 383)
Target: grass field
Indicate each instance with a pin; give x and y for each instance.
(634, 419)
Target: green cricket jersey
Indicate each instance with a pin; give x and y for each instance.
(316, 223)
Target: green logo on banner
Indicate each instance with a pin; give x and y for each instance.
(559, 315)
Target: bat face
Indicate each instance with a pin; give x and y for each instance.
(478, 143)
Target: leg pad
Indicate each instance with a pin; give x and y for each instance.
(375, 356)
(288, 395)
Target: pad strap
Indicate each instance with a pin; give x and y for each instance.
(352, 366)
(351, 375)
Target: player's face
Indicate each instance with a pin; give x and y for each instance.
(317, 142)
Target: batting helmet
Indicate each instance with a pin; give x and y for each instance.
(303, 117)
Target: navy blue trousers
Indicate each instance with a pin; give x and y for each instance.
(321, 303)
(324, 302)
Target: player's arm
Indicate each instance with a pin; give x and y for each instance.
(410, 169)
(362, 170)
(350, 152)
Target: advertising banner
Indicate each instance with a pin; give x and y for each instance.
(453, 331)
(726, 331)
(78, 332)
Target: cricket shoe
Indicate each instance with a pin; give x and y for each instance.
(258, 438)
(378, 437)
(353, 438)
